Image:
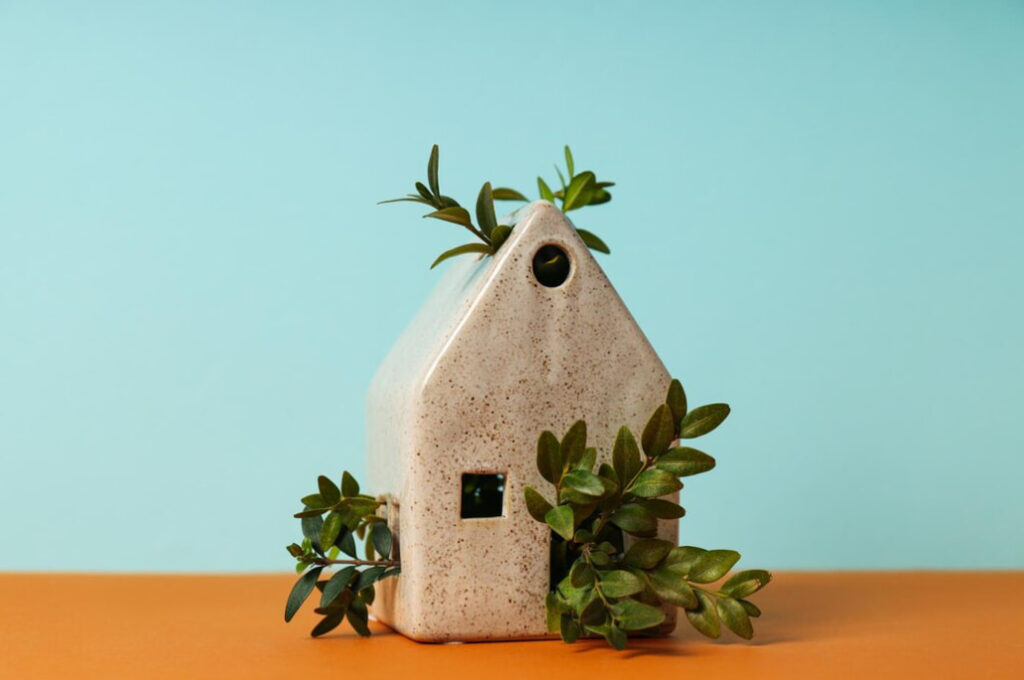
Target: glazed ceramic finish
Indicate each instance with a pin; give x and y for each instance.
(492, 359)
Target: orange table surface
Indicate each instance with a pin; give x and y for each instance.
(815, 625)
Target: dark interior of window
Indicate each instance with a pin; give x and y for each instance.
(483, 495)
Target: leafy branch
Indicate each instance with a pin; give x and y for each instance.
(332, 520)
(606, 588)
(582, 189)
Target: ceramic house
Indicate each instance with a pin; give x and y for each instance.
(493, 358)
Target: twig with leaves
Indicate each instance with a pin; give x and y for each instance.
(581, 190)
(608, 590)
(349, 590)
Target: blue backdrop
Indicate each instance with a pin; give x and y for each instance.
(818, 219)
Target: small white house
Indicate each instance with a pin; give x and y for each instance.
(493, 358)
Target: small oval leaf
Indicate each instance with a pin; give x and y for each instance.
(703, 419)
(653, 482)
(560, 519)
(300, 591)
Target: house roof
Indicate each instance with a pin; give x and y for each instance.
(473, 286)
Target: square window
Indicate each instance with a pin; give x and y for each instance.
(483, 495)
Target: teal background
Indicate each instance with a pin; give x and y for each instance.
(819, 218)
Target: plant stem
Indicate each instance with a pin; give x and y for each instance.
(323, 561)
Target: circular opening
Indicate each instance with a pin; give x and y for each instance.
(551, 266)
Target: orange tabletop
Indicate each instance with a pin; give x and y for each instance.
(816, 625)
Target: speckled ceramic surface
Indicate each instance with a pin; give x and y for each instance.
(492, 359)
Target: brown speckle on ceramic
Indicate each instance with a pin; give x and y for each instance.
(492, 359)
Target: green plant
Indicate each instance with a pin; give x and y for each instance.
(332, 519)
(603, 587)
(582, 189)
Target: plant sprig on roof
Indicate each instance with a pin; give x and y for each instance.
(581, 190)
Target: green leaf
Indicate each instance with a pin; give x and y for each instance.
(294, 550)
(619, 583)
(633, 615)
(425, 193)
(703, 419)
(634, 519)
(713, 565)
(592, 241)
(594, 613)
(676, 400)
(744, 583)
(585, 482)
(735, 617)
(685, 556)
(577, 194)
(607, 472)
(336, 585)
(435, 186)
(545, 190)
(588, 460)
(669, 585)
(570, 630)
(485, 210)
(347, 543)
(328, 490)
(328, 623)
(561, 178)
(368, 548)
(316, 501)
(536, 504)
(560, 519)
(553, 612)
(499, 235)
(461, 250)
(581, 574)
(647, 553)
(506, 194)
(653, 483)
(568, 161)
(683, 461)
(368, 577)
(455, 214)
(662, 509)
(751, 608)
(382, 539)
(616, 637)
(704, 617)
(349, 485)
(549, 457)
(410, 198)
(658, 433)
(311, 527)
(330, 530)
(300, 591)
(574, 443)
(577, 499)
(358, 616)
(599, 195)
(626, 455)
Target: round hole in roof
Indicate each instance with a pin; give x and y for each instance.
(551, 265)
